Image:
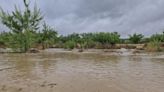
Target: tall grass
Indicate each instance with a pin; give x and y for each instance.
(154, 46)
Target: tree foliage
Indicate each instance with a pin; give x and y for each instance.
(89, 40)
(107, 38)
(47, 37)
(136, 38)
(22, 24)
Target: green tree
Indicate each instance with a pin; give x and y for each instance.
(22, 24)
(135, 38)
(47, 37)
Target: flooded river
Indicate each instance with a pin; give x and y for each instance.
(55, 71)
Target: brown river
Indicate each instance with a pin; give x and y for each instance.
(59, 71)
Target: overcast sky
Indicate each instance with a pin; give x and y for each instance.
(123, 16)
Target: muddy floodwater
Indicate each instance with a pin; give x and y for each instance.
(57, 71)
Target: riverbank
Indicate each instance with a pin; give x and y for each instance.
(110, 52)
(135, 48)
(107, 52)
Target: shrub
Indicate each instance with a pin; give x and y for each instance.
(157, 37)
(107, 38)
(153, 46)
(70, 45)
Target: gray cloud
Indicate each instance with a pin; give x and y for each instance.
(124, 16)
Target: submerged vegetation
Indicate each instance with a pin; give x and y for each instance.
(27, 32)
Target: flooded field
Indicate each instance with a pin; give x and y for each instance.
(57, 71)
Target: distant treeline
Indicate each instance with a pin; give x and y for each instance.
(48, 38)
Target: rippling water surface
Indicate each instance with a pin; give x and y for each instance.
(52, 71)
